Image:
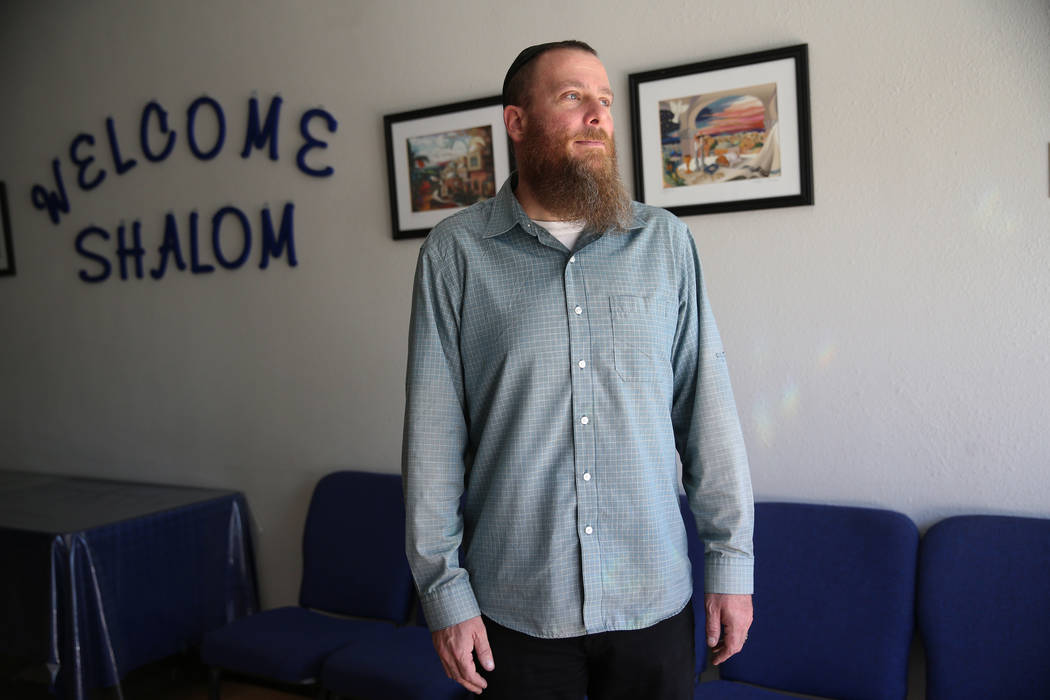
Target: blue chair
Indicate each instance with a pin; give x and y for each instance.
(353, 565)
(834, 605)
(984, 607)
(404, 667)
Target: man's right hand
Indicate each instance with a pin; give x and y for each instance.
(456, 645)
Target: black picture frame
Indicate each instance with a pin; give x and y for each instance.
(423, 192)
(7, 248)
(711, 168)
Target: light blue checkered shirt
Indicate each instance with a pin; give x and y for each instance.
(548, 392)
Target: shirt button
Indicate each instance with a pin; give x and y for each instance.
(572, 259)
(586, 476)
(585, 420)
(578, 310)
(588, 529)
(582, 363)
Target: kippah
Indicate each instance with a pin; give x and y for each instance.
(524, 57)
(532, 52)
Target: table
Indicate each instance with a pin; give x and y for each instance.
(100, 577)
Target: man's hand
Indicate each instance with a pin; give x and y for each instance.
(455, 646)
(728, 620)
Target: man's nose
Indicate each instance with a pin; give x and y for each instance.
(597, 114)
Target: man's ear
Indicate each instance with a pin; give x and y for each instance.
(514, 120)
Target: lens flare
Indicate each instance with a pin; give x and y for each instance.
(771, 413)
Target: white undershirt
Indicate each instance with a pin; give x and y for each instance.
(568, 232)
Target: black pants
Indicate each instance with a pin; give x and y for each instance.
(655, 663)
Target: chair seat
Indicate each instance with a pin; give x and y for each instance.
(289, 644)
(728, 690)
(405, 667)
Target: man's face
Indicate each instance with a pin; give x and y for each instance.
(564, 142)
(569, 105)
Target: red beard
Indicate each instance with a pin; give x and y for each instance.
(575, 187)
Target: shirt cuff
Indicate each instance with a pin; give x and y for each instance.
(449, 605)
(733, 575)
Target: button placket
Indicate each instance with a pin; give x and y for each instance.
(582, 364)
(582, 377)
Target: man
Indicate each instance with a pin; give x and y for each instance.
(561, 350)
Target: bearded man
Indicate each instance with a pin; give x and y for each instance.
(562, 350)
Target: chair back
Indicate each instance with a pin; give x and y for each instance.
(354, 547)
(984, 607)
(834, 602)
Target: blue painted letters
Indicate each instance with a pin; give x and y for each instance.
(127, 249)
(310, 143)
(119, 164)
(56, 203)
(85, 162)
(191, 132)
(254, 136)
(227, 249)
(162, 118)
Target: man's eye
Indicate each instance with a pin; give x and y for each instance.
(607, 102)
(572, 96)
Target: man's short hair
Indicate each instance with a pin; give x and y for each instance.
(519, 76)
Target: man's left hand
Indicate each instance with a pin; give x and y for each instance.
(728, 620)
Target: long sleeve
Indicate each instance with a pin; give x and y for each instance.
(708, 437)
(435, 445)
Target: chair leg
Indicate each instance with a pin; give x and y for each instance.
(214, 683)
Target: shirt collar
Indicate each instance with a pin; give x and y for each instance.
(507, 211)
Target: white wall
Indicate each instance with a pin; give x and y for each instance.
(889, 345)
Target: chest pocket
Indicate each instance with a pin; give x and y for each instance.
(643, 331)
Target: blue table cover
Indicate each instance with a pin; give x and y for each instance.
(100, 577)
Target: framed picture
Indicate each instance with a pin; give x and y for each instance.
(724, 135)
(7, 251)
(442, 159)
